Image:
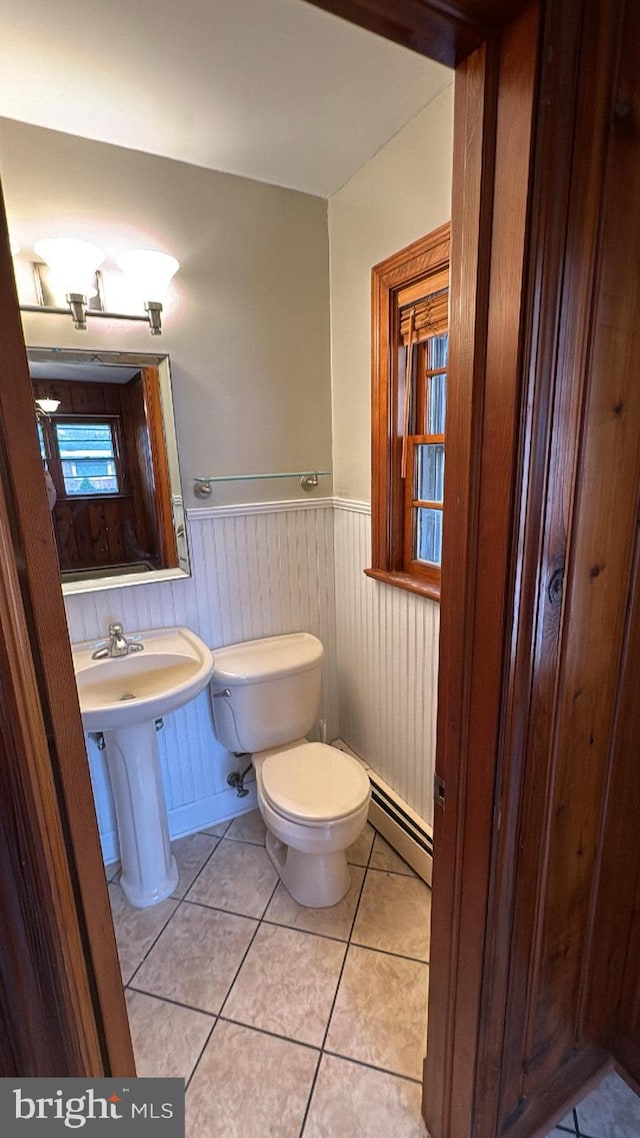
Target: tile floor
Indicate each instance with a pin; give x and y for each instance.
(611, 1111)
(284, 1021)
(290, 1022)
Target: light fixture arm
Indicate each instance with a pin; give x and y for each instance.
(78, 306)
(153, 308)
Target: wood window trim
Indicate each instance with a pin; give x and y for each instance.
(397, 274)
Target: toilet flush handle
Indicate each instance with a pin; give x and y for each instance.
(220, 694)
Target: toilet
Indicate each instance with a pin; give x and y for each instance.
(314, 799)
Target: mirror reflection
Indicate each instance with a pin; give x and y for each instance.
(107, 439)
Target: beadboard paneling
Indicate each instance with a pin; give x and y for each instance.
(387, 653)
(257, 571)
(268, 569)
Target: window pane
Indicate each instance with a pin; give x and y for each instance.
(437, 351)
(429, 536)
(87, 452)
(437, 404)
(430, 487)
(43, 449)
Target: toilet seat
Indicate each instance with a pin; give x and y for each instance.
(313, 783)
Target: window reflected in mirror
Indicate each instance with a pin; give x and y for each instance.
(109, 449)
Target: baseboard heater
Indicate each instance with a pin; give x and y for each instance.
(404, 830)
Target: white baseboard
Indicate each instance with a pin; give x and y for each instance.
(195, 816)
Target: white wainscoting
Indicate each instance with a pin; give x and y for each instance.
(258, 570)
(387, 653)
(264, 569)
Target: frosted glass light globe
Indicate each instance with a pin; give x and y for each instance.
(73, 263)
(148, 272)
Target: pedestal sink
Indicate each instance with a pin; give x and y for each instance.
(122, 697)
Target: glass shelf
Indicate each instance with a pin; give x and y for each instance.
(203, 487)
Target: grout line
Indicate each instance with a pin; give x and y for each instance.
(388, 952)
(217, 909)
(237, 971)
(171, 1000)
(208, 835)
(579, 1132)
(398, 873)
(179, 901)
(187, 1082)
(344, 959)
(191, 884)
(273, 893)
(372, 1066)
(249, 841)
(366, 870)
(154, 942)
(308, 932)
(248, 948)
(310, 1095)
(271, 1034)
(335, 995)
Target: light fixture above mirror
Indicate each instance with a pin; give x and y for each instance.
(70, 269)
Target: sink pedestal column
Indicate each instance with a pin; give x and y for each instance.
(149, 870)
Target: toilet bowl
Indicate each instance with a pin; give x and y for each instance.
(314, 799)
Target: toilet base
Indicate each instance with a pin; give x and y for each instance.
(316, 880)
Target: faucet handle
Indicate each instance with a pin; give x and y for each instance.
(115, 629)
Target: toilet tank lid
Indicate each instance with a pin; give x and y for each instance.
(255, 660)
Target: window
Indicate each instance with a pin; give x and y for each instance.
(410, 360)
(87, 457)
(83, 454)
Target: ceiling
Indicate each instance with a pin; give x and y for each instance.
(275, 90)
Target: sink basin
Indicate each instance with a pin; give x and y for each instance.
(121, 697)
(121, 691)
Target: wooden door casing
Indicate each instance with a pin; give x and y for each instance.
(446, 30)
(494, 110)
(556, 923)
(58, 959)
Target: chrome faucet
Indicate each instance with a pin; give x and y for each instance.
(118, 645)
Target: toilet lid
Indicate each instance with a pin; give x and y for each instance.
(314, 782)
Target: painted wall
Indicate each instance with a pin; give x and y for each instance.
(386, 638)
(401, 194)
(247, 324)
(247, 329)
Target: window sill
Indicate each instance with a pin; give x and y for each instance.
(405, 581)
(91, 497)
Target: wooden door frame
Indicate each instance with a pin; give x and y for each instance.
(495, 100)
(445, 30)
(57, 955)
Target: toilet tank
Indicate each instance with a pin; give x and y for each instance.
(273, 688)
